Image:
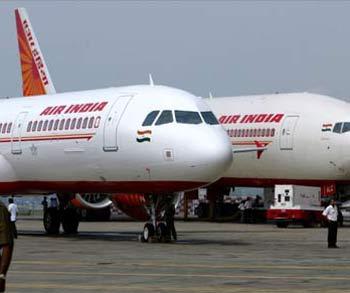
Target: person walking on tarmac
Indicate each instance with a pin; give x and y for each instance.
(331, 214)
(170, 218)
(6, 244)
(13, 210)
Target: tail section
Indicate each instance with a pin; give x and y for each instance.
(35, 75)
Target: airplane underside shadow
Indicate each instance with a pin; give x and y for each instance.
(133, 236)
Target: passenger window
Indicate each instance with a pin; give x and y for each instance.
(45, 125)
(56, 124)
(165, 118)
(91, 122)
(40, 125)
(67, 124)
(150, 118)
(79, 123)
(187, 117)
(97, 122)
(50, 125)
(268, 132)
(9, 128)
(74, 121)
(62, 124)
(4, 128)
(85, 122)
(209, 118)
(34, 125)
(346, 127)
(29, 127)
(337, 127)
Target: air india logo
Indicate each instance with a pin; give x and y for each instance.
(143, 136)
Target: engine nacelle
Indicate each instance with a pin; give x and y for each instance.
(91, 200)
(133, 205)
(137, 205)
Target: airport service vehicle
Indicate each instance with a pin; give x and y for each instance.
(296, 204)
(146, 138)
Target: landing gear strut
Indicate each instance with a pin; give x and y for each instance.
(156, 230)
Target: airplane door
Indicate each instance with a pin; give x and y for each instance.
(16, 137)
(287, 132)
(110, 132)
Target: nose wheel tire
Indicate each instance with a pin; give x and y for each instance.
(51, 221)
(70, 221)
(148, 232)
(162, 233)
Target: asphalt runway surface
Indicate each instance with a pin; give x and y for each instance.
(209, 257)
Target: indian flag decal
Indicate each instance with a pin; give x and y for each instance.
(326, 127)
(143, 136)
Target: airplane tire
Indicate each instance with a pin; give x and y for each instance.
(148, 232)
(51, 221)
(70, 221)
(162, 232)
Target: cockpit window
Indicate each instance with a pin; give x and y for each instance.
(165, 117)
(209, 118)
(337, 127)
(187, 117)
(150, 118)
(346, 127)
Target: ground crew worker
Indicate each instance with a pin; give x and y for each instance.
(247, 212)
(13, 210)
(331, 214)
(6, 244)
(170, 219)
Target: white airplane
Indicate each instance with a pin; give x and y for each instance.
(146, 138)
(297, 138)
(305, 139)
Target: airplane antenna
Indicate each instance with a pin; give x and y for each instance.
(151, 83)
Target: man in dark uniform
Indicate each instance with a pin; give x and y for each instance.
(169, 219)
(6, 244)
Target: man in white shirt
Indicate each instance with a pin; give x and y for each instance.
(13, 210)
(331, 214)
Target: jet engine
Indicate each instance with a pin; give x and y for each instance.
(91, 200)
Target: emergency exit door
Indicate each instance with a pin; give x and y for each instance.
(16, 137)
(110, 133)
(287, 132)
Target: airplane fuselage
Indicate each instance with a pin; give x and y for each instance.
(297, 131)
(95, 141)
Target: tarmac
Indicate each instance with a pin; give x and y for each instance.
(208, 257)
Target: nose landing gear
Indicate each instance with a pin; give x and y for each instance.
(157, 230)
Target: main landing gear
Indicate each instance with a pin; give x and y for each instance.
(156, 230)
(64, 214)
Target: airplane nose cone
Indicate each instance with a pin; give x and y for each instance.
(213, 155)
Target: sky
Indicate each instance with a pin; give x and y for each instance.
(228, 48)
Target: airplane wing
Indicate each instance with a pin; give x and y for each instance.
(36, 78)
